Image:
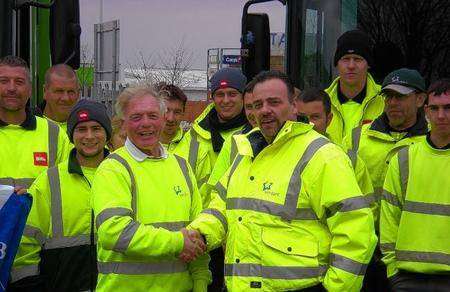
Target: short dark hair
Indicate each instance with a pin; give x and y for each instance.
(249, 87)
(316, 94)
(62, 70)
(273, 74)
(171, 92)
(439, 87)
(14, 61)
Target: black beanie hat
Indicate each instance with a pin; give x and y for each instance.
(354, 42)
(88, 110)
(228, 77)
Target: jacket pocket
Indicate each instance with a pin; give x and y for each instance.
(287, 247)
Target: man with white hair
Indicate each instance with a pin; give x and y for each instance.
(143, 197)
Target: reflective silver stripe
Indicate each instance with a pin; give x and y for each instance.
(132, 180)
(126, 236)
(111, 212)
(403, 164)
(23, 272)
(219, 216)
(171, 226)
(235, 164)
(67, 241)
(4, 199)
(221, 191)
(33, 232)
(273, 272)
(427, 208)
(122, 268)
(53, 133)
(184, 168)
(23, 182)
(269, 208)
(353, 153)
(386, 247)
(347, 264)
(391, 199)
(56, 202)
(349, 204)
(423, 257)
(193, 150)
(293, 191)
(233, 150)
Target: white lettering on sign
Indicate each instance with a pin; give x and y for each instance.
(2, 250)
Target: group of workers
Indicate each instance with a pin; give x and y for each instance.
(251, 197)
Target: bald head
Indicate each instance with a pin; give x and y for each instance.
(62, 71)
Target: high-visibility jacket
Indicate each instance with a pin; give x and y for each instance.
(229, 153)
(58, 241)
(415, 211)
(139, 207)
(196, 147)
(175, 141)
(29, 149)
(291, 216)
(370, 109)
(62, 125)
(375, 144)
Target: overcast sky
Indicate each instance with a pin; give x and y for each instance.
(152, 26)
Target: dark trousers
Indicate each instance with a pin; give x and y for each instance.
(375, 279)
(413, 282)
(216, 265)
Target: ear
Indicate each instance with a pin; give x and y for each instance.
(420, 99)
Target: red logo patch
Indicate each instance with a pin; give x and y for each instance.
(223, 84)
(40, 158)
(366, 122)
(83, 116)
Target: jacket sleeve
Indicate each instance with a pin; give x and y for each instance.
(390, 213)
(337, 199)
(202, 174)
(366, 186)
(26, 263)
(198, 268)
(212, 222)
(117, 230)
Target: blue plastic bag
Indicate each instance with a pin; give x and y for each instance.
(14, 211)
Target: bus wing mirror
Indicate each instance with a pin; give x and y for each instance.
(65, 33)
(255, 44)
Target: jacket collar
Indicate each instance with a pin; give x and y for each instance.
(358, 99)
(29, 123)
(140, 156)
(74, 166)
(381, 124)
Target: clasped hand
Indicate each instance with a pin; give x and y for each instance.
(194, 245)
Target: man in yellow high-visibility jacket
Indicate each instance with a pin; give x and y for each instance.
(415, 210)
(289, 208)
(61, 93)
(143, 197)
(354, 95)
(29, 144)
(60, 235)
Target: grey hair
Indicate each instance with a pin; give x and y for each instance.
(135, 91)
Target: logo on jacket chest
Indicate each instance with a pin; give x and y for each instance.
(178, 190)
(40, 158)
(267, 188)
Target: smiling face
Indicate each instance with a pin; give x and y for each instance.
(89, 138)
(272, 107)
(15, 88)
(173, 116)
(144, 121)
(228, 103)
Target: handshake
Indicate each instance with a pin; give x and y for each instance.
(194, 245)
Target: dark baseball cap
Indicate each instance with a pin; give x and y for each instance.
(404, 81)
